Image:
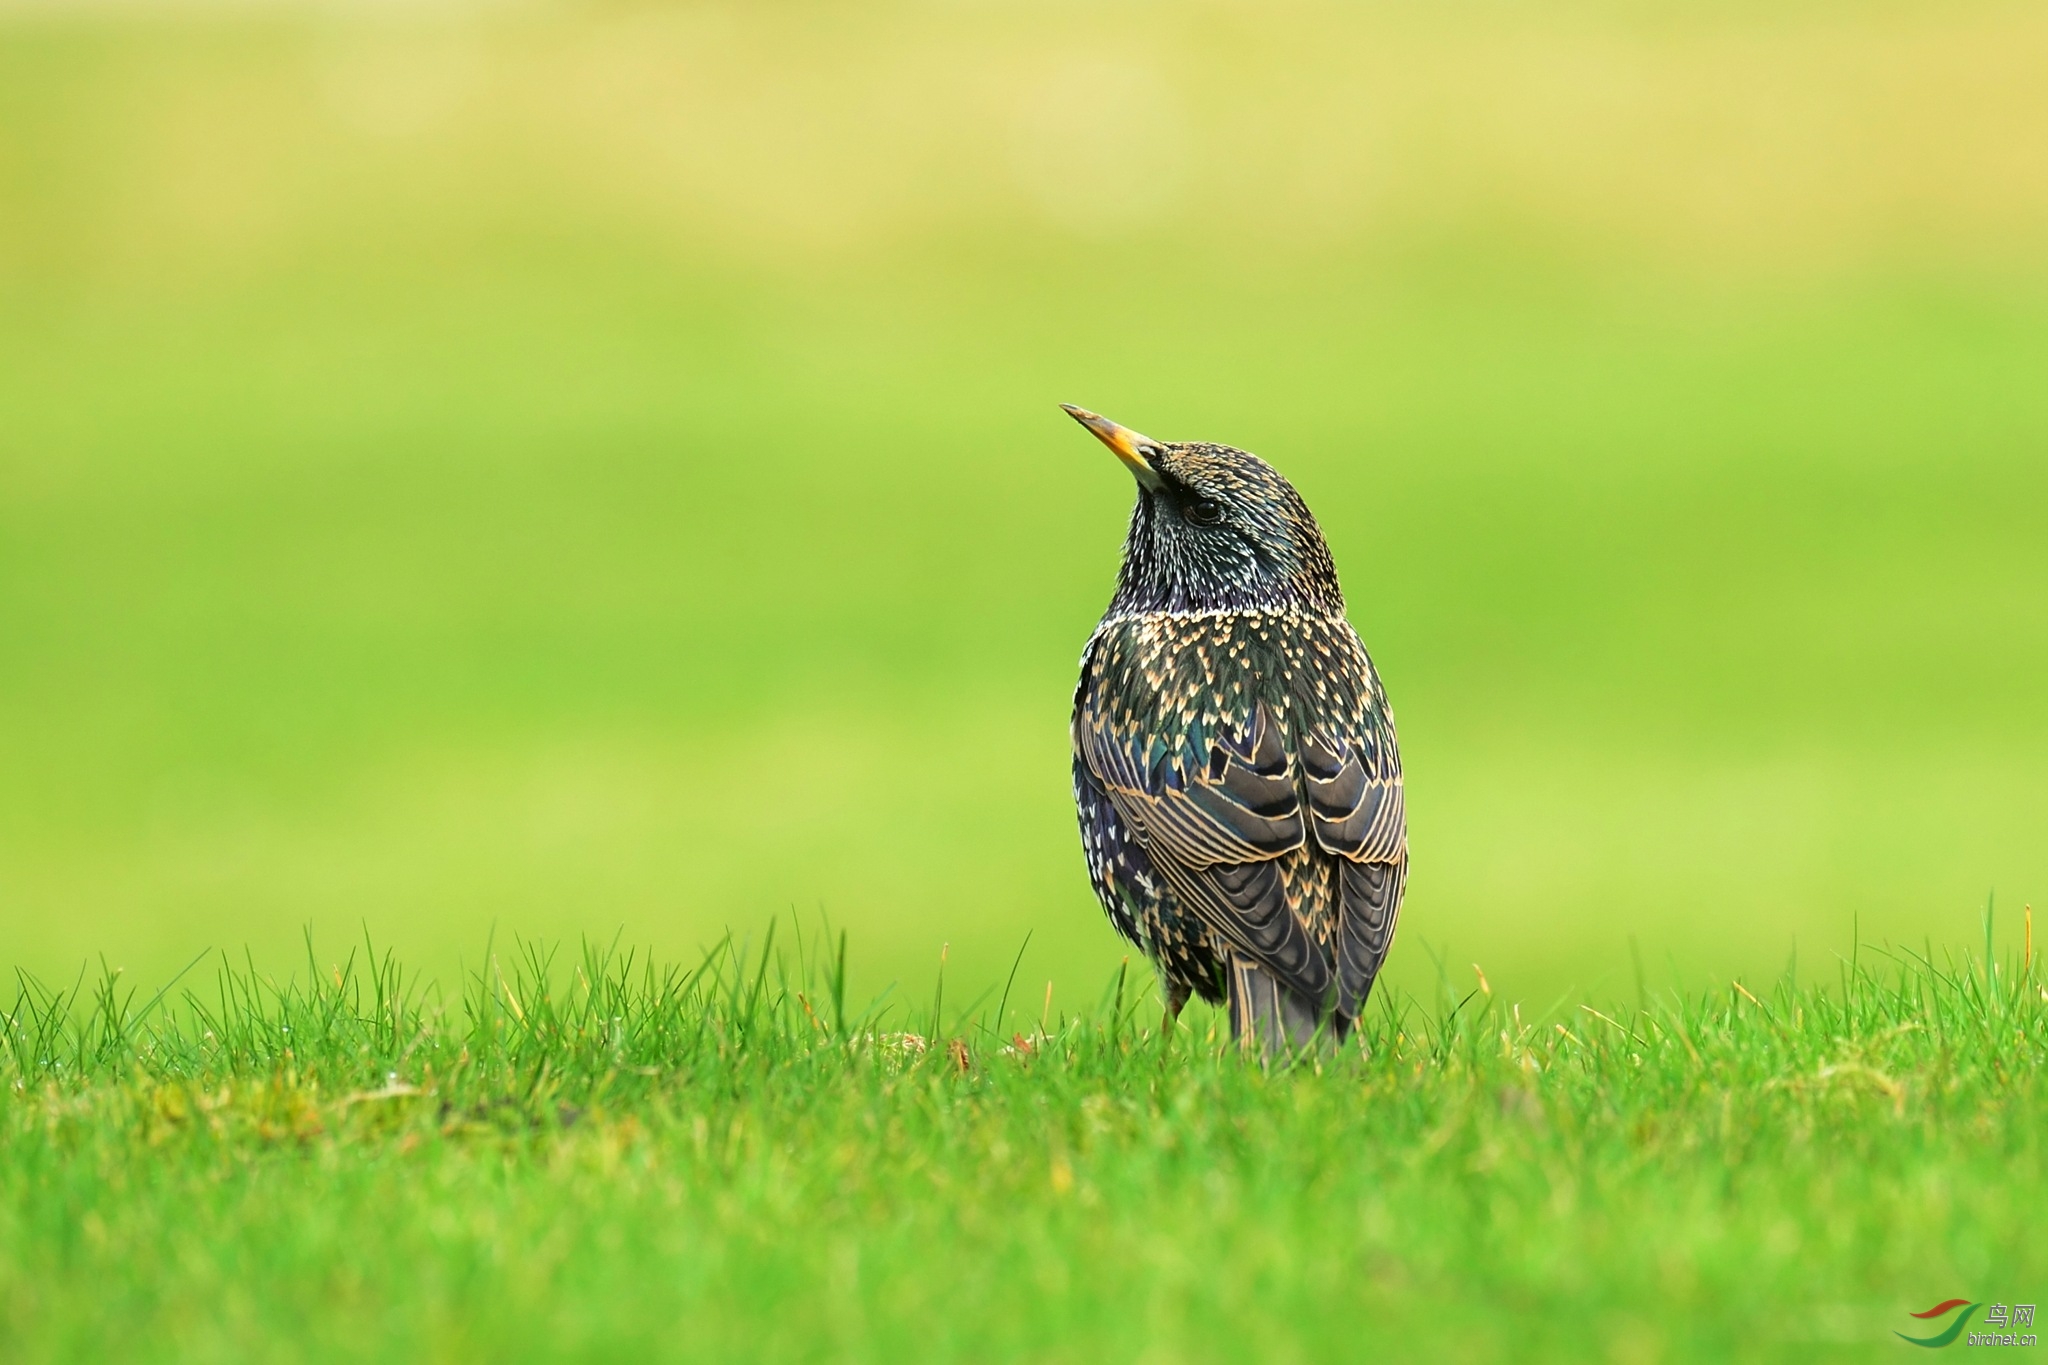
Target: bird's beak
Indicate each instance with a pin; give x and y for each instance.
(1122, 441)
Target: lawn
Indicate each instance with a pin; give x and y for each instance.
(607, 1158)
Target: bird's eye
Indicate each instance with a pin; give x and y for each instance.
(1205, 512)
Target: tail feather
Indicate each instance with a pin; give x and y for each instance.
(1268, 1017)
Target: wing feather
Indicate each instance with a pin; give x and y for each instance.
(1227, 782)
(1371, 903)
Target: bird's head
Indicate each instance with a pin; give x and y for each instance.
(1214, 528)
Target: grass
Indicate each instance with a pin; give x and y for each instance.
(608, 1158)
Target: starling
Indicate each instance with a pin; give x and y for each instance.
(1235, 767)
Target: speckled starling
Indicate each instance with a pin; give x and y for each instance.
(1235, 767)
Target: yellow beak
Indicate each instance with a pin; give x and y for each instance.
(1124, 443)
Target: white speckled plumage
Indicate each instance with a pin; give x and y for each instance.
(1236, 769)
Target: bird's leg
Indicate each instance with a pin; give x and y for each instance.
(1176, 1000)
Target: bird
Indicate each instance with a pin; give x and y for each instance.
(1236, 771)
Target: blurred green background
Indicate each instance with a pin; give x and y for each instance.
(577, 469)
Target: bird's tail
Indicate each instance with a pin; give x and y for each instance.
(1267, 1017)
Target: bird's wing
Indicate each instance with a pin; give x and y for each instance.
(1229, 745)
(1351, 772)
(1172, 724)
(1351, 775)
(1368, 904)
(1216, 837)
